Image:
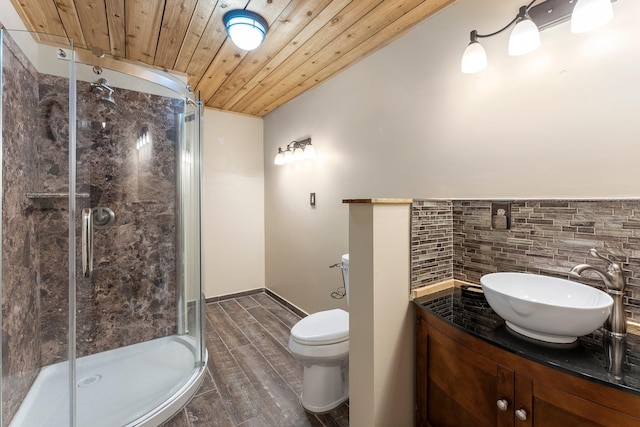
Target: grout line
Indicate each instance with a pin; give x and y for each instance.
(274, 315)
(284, 380)
(213, 330)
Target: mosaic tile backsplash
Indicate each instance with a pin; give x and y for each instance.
(431, 242)
(547, 237)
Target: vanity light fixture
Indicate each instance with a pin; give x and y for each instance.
(585, 15)
(246, 29)
(295, 151)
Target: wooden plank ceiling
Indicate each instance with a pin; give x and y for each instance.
(308, 40)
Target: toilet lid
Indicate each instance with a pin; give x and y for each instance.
(324, 327)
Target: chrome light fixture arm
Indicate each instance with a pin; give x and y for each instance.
(474, 36)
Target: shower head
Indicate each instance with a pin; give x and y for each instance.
(108, 97)
(102, 87)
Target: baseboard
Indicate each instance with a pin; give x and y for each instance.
(292, 307)
(296, 310)
(235, 295)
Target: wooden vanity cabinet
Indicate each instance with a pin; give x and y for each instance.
(461, 379)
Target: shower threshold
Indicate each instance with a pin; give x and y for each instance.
(139, 385)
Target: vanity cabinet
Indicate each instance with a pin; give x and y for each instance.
(465, 381)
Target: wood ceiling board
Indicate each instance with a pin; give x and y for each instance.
(196, 29)
(383, 15)
(142, 25)
(301, 50)
(375, 43)
(229, 56)
(348, 16)
(175, 21)
(71, 21)
(297, 15)
(93, 19)
(222, 65)
(116, 23)
(211, 41)
(42, 18)
(327, 15)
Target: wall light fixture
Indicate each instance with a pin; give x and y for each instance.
(585, 15)
(245, 28)
(295, 151)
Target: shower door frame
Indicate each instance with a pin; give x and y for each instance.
(167, 81)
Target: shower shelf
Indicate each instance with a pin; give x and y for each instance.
(37, 196)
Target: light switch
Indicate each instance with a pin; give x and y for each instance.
(312, 199)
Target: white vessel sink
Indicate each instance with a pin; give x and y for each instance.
(546, 308)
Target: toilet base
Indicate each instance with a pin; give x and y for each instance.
(324, 409)
(324, 386)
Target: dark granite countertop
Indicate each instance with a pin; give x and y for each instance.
(588, 358)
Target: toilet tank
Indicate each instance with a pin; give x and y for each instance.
(345, 274)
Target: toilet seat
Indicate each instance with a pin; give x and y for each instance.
(322, 328)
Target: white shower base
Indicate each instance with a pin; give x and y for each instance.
(139, 385)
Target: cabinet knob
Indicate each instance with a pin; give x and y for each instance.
(521, 414)
(502, 404)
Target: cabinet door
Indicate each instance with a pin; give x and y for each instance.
(421, 371)
(552, 407)
(463, 387)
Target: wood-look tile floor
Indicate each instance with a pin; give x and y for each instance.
(251, 378)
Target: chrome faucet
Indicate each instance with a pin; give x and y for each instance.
(614, 281)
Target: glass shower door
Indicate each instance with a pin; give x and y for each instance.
(137, 339)
(101, 290)
(36, 364)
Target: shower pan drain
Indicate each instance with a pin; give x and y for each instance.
(91, 380)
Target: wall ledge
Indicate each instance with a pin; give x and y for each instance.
(379, 201)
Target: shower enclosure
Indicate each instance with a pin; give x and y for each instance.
(101, 296)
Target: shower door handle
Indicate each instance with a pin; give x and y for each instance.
(87, 242)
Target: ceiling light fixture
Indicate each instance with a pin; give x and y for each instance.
(246, 29)
(295, 151)
(585, 15)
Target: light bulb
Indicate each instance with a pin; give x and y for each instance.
(279, 160)
(590, 14)
(474, 58)
(288, 156)
(246, 37)
(309, 152)
(524, 38)
(298, 154)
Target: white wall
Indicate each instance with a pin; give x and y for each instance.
(560, 123)
(233, 203)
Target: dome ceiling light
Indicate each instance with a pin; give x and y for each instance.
(246, 29)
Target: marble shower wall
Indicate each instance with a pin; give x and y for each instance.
(21, 360)
(131, 296)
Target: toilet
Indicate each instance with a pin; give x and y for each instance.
(321, 342)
